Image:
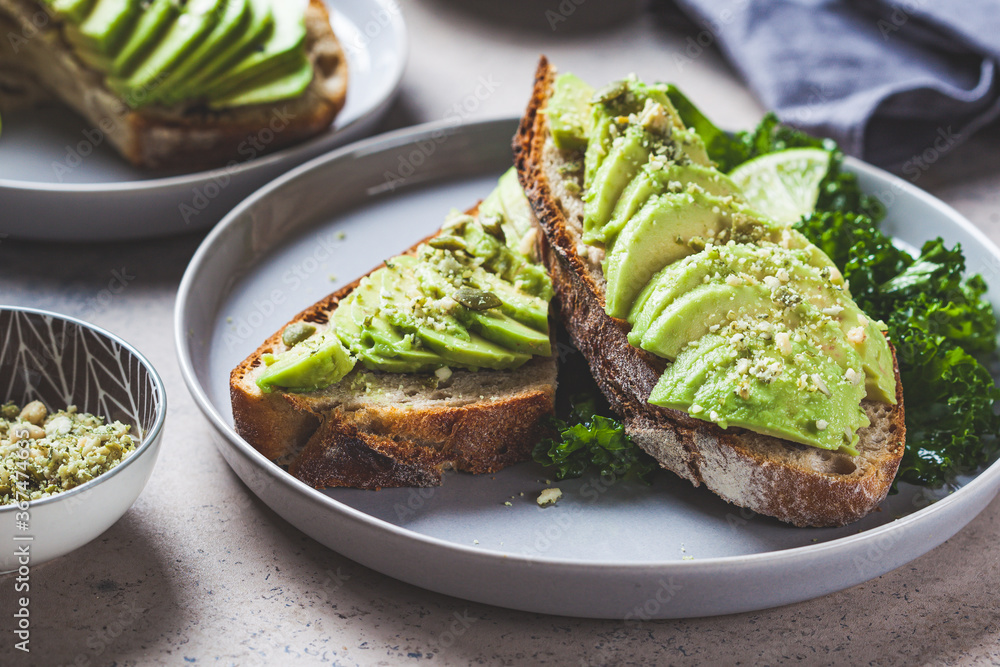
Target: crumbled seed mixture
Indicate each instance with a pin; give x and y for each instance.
(43, 453)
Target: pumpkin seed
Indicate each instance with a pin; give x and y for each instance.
(297, 332)
(610, 92)
(476, 299)
(446, 242)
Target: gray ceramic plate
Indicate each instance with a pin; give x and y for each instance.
(60, 181)
(608, 549)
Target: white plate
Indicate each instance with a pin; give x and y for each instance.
(58, 184)
(613, 550)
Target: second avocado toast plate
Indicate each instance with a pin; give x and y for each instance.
(608, 549)
(60, 181)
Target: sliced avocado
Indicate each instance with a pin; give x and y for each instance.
(280, 54)
(523, 307)
(194, 24)
(706, 381)
(609, 110)
(72, 10)
(654, 179)
(518, 216)
(387, 341)
(805, 302)
(694, 314)
(441, 332)
(235, 24)
(282, 87)
(496, 257)
(493, 323)
(716, 263)
(364, 344)
(316, 362)
(568, 109)
(627, 156)
(98, 36)
(194, 80)
(153, 22)
(506, 331)
(657, 236)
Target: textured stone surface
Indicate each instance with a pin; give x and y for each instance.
(199, 571)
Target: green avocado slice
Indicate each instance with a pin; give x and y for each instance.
(281, 53)
(705, 381)
(493, 324)
(716, 263)
(316, 362)
(193, 25)
(194, 80)
(568, 110)
(656, 179)
(234, 25)
(153, 22)
(282, 87)
(441, 332)
(388, 342)
(73, 10)
(104, 28)
(627, 156)
(657, 236)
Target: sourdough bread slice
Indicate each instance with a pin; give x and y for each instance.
(37, 63)
(796, 483)
(375, 429)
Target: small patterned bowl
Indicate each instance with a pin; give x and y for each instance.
(63, 361)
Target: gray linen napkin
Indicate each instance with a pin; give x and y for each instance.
(896, 82)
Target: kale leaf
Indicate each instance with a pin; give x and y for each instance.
(590, 440)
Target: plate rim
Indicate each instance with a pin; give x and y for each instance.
(401, 37)
(986, 477)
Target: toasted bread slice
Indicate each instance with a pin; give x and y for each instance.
(374, 429)
(37, 63)
(798, 484)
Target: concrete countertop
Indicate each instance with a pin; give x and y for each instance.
(199, 571)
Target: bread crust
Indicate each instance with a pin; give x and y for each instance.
(374, 446)
(168, 138)
(761, 473)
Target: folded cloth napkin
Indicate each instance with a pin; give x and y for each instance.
(896, 82)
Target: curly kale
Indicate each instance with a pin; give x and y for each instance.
(590, 440)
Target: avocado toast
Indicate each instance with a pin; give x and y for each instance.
(189, 85)
(770, 390)
(438, 359)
